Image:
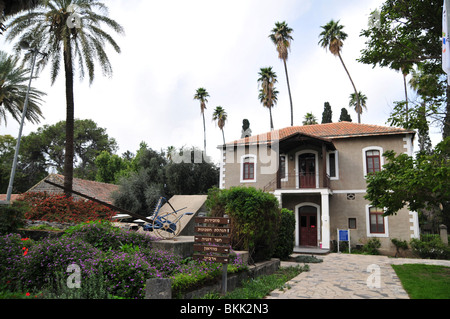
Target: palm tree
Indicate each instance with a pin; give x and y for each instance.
(201, 95)
(13, 89)
(69, 31)
(281, 37)
(268, 94)
(220, 116)
(358, 102)
(8, 8)
(310, 119)
(332, 39)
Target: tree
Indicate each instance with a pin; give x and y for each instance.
(13, 89)
(344, 117)
(358, 102)
(310, 119)
(11, 7)
(268, 93)
(406, 36)
(70, 30)
(110, 167)
(7, 146)
(202, 95)
(220, 116)
(47, 147)
(332, 38)
(327, 115)
(419, 183)
(281, 37)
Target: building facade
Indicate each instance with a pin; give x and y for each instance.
(319, 172)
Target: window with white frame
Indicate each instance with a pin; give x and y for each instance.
(283, 167)
(248, 169)
(332, 165)
(377, 224)
(373, 159)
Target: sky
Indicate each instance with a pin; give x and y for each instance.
(171, 48)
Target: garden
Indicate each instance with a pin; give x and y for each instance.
(116, 263)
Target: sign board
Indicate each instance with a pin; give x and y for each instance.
(343, 235)
(213, 243)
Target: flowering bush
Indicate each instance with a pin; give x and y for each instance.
(58, 208)
(126, 274)
(12, 250)
(102, 235)
(50, 256)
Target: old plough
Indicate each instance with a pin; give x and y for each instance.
(165, 225)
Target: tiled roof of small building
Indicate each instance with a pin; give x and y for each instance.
(100, 191)
(327, 131)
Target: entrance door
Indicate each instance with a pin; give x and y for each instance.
(307, 170)
(308, 226)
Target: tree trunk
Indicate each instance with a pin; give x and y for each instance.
(223, 135)
(204, 133)
(406, 99)
(70, 106)
(446, 128)
(354, 87)
(289, 90)
(271, 121)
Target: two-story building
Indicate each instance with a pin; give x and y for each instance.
(319, 172)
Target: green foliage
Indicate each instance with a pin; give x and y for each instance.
(371, 247)
(327, 115)
(11, 217)
(432, 248)
(345, 117)
(309, 119)
(286, 235)
(419, 183)
(255, 218)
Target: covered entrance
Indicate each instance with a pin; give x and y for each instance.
(308, 225)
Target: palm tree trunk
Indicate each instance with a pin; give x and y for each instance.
(223, 135)
(446, 128)
(354, 87)
(271, 121)
(204, 133)
(406, 98)
(70, 106)
(289, 90)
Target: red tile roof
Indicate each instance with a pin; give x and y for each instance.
(100, 191)
(328, 132)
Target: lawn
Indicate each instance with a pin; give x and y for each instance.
(424, 281)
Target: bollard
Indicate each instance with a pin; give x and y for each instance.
(443, 233)
(158, 288)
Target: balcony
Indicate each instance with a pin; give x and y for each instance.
(299, 182)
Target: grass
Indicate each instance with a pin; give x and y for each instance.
(424, 281)
(260, 287)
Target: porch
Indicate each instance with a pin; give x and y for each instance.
(310, 250)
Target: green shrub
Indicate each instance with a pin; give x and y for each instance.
(286, 235)
(432, 248)
(255, 218)
(12, 217)
(104, 236)
(371, 247)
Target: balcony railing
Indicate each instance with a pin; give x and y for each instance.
(298, 181)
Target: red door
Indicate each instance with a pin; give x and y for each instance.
(307, 170)
(308, 226)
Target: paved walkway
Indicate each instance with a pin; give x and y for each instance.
(344, 276)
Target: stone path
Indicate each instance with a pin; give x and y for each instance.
(344, 276)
